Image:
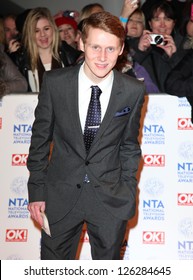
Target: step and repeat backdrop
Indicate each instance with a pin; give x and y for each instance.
(163, 225)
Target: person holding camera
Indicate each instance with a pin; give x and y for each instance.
(157, 47)
(11, 33)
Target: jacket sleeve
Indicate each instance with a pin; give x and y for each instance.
(130, 147)
(13, 80)
(41, 139)
(180, 80)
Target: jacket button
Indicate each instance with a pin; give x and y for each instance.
(78, 186)
(87, 162)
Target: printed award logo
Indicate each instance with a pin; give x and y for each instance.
(185, 165)
(185, 244)
(153, 237)
(17, 203)
(185, 124)
(153, 130)
(19, 159)
(185, 199)
(153, 206)
(16, 235)
(24, 112)
(154, 160)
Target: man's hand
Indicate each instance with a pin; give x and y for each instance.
(36, 208)
(14, 45)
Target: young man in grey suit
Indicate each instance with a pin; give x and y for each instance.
(89, 179)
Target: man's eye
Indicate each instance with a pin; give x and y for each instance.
(110, 49)
(95, 48)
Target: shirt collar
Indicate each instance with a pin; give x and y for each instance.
(87, 83)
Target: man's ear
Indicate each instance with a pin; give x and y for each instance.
(81, 45)
(121, 51)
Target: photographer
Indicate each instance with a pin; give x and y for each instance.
(11, 33)
(159, 58)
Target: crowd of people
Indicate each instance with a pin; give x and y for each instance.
(56, 44)
(92, 179)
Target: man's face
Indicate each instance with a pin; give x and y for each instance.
(10, 29)
(101, 52)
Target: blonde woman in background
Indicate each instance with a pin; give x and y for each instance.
(42, 48)
(90, 9)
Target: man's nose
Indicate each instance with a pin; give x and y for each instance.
(103, 55)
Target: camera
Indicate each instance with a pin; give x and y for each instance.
(68, 13)
(17, 37)
(157, 39)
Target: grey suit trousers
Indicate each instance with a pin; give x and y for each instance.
(106, 232)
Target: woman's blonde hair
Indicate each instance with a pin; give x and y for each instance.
(29, 30)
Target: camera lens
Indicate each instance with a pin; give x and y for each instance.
(158, 40)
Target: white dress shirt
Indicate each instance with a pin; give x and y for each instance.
(84, 94)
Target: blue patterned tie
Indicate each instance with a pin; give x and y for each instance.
(93, 119)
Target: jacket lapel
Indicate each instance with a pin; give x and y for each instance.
(72, 100)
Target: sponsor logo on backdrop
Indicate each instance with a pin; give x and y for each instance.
(185, 227)
(153, 237)
(19, 185)
(125, 252)
(19, 159)
(155, 112)
(182, 102)
(153, 129)
(185, 124)
(154, 160)
(14, 257)
(153, 206)
(22, 133)
(185, 164)
(185, 243)
(185, 199)
(0, 123)
(16, 235)
(17, 204)
(24, 112)
(153, 187)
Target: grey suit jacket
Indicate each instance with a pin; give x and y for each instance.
(114, 156)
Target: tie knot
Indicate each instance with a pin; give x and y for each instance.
(96, 91)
